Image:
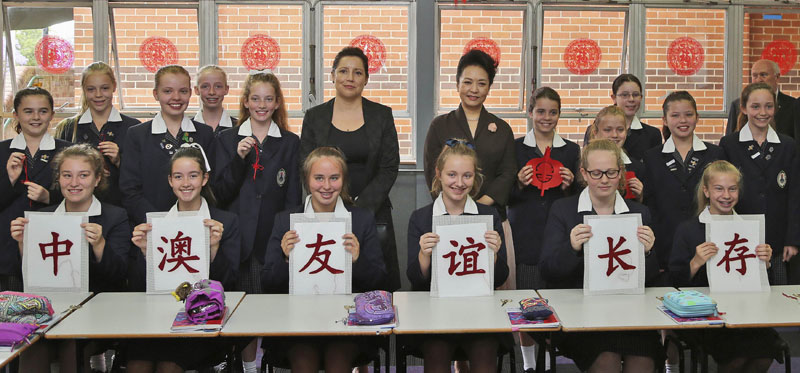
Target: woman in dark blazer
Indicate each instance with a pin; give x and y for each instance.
(349, 121)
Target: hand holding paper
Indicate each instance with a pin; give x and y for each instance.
(139, 237)
(646, 237)
(580, 235)
(288, 241)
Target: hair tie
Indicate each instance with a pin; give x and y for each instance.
(203, 152)
(260, 72)
(453, 142)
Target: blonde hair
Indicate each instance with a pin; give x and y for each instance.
(207, 69)
(98, 67)
(604, 145)
(279, 116)
(607, 111)
(338, 157)
(85, 152)
(458, 148)
(712, 169)
(170, 69)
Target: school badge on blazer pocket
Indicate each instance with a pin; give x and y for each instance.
(782, 179)
(281, 177)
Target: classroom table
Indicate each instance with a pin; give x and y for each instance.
(295, 315)
(758, 309)
(63, 305)
(612, 312)
(130, 315)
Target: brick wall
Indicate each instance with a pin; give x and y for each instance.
(759, 32)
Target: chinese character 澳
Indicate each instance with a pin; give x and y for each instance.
(55, 244)
(470, 258)
(614, 255)
(324, 254)
(179, 246)
(741, 251)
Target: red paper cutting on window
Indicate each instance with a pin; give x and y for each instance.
(485, 45)
(546, 172)
(54, 54)
(373, 48)
(685, 56)
(783, 52)
(260, 52)
(582, 56)
(156, 52)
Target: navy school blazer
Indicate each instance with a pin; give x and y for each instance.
(688, 236)
(561, 266)
(369, 270)
(421, 222)
(275, 188)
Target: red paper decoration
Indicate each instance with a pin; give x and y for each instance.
(783, 53)
(546, 172)
(628, 192)
(685, 56)
(54, 54)
(156, 52)
(373, 48)
(582, 56)
(485, 45)
(260, 52)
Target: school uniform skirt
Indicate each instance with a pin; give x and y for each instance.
(724, 345)
(276, 349)
(249, 279)
(584, 347)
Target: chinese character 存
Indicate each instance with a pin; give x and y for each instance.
(55, 244)
(470, 258)
(741, 251)
(179, 246)
(322, 256)
(614, 255)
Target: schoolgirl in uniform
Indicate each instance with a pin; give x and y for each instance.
(456, 180)
(325, 178)
(527, 208)
(258, 176)
(769, 165)
(188, 178)
(78, 173)
(734, 350)
(610, 124)
(674, 169)
(212, 86)
(100, 124)
(27, 176)
(562, 262)
(149, 146)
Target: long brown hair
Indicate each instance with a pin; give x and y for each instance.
(746, 92)
(279, 116)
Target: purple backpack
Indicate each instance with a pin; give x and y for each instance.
(206, 301)
(374, 308)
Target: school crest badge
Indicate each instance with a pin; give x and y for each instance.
(281, 177)
(782, 179)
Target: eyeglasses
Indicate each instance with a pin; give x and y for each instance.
(453, 142)
(627, 95)
(597, 174)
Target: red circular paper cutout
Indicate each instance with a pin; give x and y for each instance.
(582, 56)
(783, 53)
(485, 45)
(685, 56)
(260, 52)
(54, 54)
(156, 52)
(373, 48)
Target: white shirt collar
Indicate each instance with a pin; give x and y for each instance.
(697, 144)
(95, 209)
(159, 126)
(746, 135)
(636, 124)
(47, 143)
(705, 217)
(225, 121)
(530, 140)
(439, 209)
(203, 211)
(585, 203)
(625, 158)
(112, 117)
(246, 129)
(339, 210)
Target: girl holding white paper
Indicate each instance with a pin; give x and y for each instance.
(610, 124)
(25, 181)
(769, 165)
(188, 179)
(735, 350)
(562, 261)
(456, 180)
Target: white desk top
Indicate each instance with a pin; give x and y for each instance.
(129, 315)
(419, 313)
(757, 309)
(294, 315)
(611, 312)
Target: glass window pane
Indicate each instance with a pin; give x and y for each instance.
(149, 38)
(773, 36)
(255, 37)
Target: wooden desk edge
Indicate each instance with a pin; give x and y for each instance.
(762, 325)
(15, 353)
(343, 333)
(638, 328)
(137, 336)
(452, 331)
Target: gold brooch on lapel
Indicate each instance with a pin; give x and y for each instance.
(44, 157)
(750, 148)
(492, 127)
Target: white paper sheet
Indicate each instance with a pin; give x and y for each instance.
(461, 268)
(613, 258)
(177, 251)
(319, 264)
(56, 254)
(736, 267)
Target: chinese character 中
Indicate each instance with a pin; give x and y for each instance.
(325, 254)
(741, 251)
(614, 255)
(470, 258)
(55, 244)
(179, 246)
